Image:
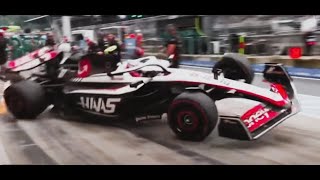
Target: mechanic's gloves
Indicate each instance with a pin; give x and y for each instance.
(110, 49)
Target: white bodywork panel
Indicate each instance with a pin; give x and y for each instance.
(205, 78)
(176, 75)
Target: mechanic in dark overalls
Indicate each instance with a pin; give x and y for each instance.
(50, 40)
(51, 67)
(3, 47)
(173, 45)
(104, 56)
(111, 51)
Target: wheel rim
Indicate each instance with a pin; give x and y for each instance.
(187, 121)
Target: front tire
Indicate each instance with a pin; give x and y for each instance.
(192, 116)
(235, 66)
(25, 99)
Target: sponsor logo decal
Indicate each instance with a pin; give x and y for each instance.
(99, 105)
(256, 117)
(148, 117)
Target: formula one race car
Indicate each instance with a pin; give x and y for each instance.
(145, 88)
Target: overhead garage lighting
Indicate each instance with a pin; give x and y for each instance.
(173, 17)
(33, 19)
(122, 16)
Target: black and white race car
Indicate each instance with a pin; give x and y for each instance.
(146, 88)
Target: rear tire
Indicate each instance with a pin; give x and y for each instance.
(25, 99)
(192, 116)
(235, 66)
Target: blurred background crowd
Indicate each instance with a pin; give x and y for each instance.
(195, 34)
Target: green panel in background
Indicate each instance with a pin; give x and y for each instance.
(203, 44)
(184, 46)
(18, 51)
(26, 43)
(188, 38)
(23, 44)
(192, 42)
(196, 45)
(30, 43)
(191, 45)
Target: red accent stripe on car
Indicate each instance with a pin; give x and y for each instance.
(280, 90)
(277, 103)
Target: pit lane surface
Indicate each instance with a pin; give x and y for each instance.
(52, 140)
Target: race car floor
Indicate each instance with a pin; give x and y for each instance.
(53, 140)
